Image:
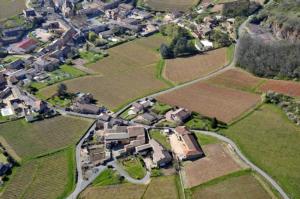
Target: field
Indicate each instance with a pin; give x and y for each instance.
(160, 187)
(236, 79)
(243, 185)
(107, 177)
(181, 70)
(10, 8)
(270, 140)
(223, 103)
(124, 191)
(33, 139)
(170, 5)
(286, 87)
(129, 72)
(217, 162)
(43, 178)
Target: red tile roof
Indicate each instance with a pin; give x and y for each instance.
(27, 43)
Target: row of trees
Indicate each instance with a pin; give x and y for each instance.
(269, 59)
(182, 43)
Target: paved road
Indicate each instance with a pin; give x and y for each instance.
(247, 161)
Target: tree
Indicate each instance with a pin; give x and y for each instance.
(221, 38)
(62, 90)
(166, 52)
(214, 123)
(92, 36)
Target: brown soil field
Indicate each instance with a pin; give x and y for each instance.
(10, 8)
(236, 79)
(181, 70)
(124, 191)
(285, 87)
(129, 72)
(218, 162)
(245, 186)
(223, 103)
(170, 5)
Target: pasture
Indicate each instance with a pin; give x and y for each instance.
(32, 139)
(10, 8)
(180, 70)
(225, 104)
(44, 178)
(237, 186)
(129, 72)
(270, 140)
(218, 161)
(170, 5)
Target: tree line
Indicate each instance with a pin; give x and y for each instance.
(278, 59)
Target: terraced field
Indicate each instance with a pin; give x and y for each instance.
(128, 73)
(33, 139)
(43, 178)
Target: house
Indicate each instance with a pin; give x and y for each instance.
(29, 13)
(160, 157)
(46, 64)
(25, 46)
(16, 65)
(86, 109)
(149, 118)
(190, 147)
(3, 81)
(4, 168)
(136, 108)
(180, 115)
(40, 106)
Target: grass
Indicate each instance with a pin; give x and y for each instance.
(168, 5)
(133, 166)
(205, 140)
(9, 8)
(162, 187)
(161, 108)
(33, 139)
(241, 184)
(159, 137)
(107, 177)
(230, 53)
(270, 140)
(90, 57)
(47, 177)
(198, 123)
(126, 116)
(3, 158)
(159, 72)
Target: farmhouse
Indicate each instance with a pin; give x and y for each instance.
(160, 157)
(25, 46)
(189, 147)
(86, 108)
(180, 115)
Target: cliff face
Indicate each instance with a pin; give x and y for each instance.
(282, 32)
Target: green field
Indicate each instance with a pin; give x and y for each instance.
(44, 178)
(271, 141)
(205, 139)
(32, 139)
(241, 184)
(133, 166)
(107, 177)
(159, 137)
(10, 8)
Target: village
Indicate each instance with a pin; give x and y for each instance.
(45, 44)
